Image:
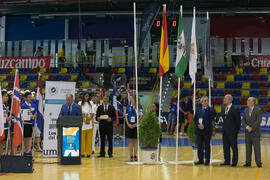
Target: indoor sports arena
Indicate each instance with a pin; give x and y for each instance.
(142, 89)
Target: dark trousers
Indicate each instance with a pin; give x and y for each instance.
(106, 131)
(255, 141)
(230, 141)
(203, 142)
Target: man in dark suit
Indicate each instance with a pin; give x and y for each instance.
(106, 115)
(230, 129)
(251, 121)
(203, 119)
(70, 108)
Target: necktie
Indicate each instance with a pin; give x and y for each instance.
(226, 110)
(250, 112)
(68, 110)
(106, 109)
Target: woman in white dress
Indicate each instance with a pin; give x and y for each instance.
(88, 124)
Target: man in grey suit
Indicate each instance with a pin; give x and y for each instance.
(251, 121)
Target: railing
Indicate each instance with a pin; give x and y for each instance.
(108, 53)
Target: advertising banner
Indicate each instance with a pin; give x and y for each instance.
(55, 97)
(25, 62)
(265, 124)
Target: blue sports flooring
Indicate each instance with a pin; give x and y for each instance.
(171, 142)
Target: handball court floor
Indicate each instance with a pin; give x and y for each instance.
(117, 168)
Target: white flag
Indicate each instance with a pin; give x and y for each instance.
(193, 50)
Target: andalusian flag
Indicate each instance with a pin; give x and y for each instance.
(181, 57)
(164, 49)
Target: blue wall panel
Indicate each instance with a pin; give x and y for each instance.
(22, 28)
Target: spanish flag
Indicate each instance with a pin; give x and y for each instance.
(164, 49)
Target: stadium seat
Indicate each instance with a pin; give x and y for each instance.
(228, 85)
(42, 70)
(269, 78)
(4, 84)
(13, 71)
(254, 93)
(239, 70)
(221, 77)
(245, 93)
(213, 92)
(245, 85)
(81, 78)
(246, 78)
(247, 70)
(236, 101)
(52, 77)
(236, 93)
(187, 85)
(153, 70)
(242, 108)
(130, 70)
(33, 85)
(263, 71)
(263, 85)
(25, 84)
(85, 84)
(254, 85)
(145, 70)
(23, 77)
(223, 70)
(78, 85)
(86, 70)
(10, 78)
(56, 70)
(63, 71)
(228, 91)
(188, 78)
(59, 78)
(44, 77)
(243, 101)
(255, 78)
(66, 78)
(204, 79)
(43, 91)
(10, 85)
(202, 92)
(268, 93)
(220, 93)
(35, 70)
(255, 70)
(230, 78)
(218, 101)
(49, 70)
(74, 77)
(218, 109)
(262, 93)
(184, 93)
(238, 78)
(263, 101)
(263, 78)
(220, 85)
(231, 71)
(2, 78)
(204, 85)
(237, 85)
(198, 77)
(122, 70)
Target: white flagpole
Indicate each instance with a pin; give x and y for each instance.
(209, 90)
(159, 111)
(194, 85)
(177, 124)
(136, 74)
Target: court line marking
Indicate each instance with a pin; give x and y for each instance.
(257, 173)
